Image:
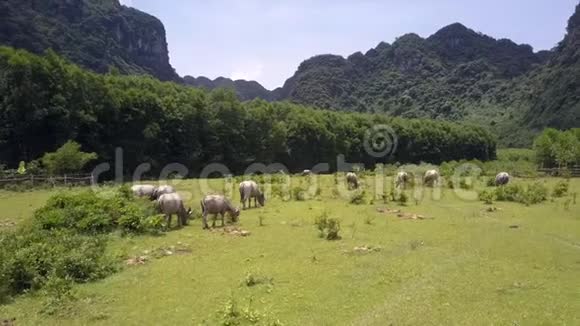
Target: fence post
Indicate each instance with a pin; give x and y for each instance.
(65, 180)
(32, 180)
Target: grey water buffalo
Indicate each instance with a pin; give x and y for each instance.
(143, 190)
(170, 204)
(352, 180)
(249, 189)
(402, 179)
(161, 190)
(431, 178)
(218, 204)
(502, 179)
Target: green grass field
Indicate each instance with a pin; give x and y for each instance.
(465, 266)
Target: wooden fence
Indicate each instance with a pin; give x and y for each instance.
(64, 180)
(573, 172)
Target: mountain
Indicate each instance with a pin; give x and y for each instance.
(246, 90)
(96, 34)
(555, 95)
(443, 76)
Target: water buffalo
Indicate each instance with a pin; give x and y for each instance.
(402, 179)
(170, 204)
(161, 190)
(218, 204)
(306, 172)
(143, 190)
(502, 179)
(352, 180)
(249, 189)
(431, 178)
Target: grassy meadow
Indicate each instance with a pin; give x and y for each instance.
(464, 264)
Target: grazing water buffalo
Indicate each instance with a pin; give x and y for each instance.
(249, 189)
(352, 180)
(170, 204)
(431, 178)
(143, 190)
(402, 179)
(161, 190)
(306, 172)
(502, 179)
(218, 204)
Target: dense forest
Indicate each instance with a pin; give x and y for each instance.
(46, 101)
(456, 74)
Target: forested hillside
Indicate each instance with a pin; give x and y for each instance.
(455, 74)
(46, 101)
(245, 90)
(96, 34)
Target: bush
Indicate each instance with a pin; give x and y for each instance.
(560, 189)
(490, 182)
(403, 199)
(327, 227)
(532, 194)
(358, 198)
(89, 212)
(299, 193)
(30, 256)
(486, 196)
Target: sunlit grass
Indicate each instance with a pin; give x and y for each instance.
(466, 266)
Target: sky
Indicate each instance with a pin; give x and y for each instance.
(266, 40)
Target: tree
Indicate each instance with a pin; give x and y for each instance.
(67, 159)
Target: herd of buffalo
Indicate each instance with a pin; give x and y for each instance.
(169, 202)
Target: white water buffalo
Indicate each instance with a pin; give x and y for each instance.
(431, 178)
(170, 204)
(143, 190)
(218, 204)
(161, 190)
(249, 189)
(402, 179)
(352, 180)
(502, 179)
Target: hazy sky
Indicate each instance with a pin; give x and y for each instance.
(265, 40)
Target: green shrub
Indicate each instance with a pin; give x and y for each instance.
(403, 199)
(358, 198)
(29, 256)
(560, 189)
(511, 192)
(532, 194)
(487, 196)
(90, 212)
(328, 227)
(535, 193)
(299, 193)
(490, 182)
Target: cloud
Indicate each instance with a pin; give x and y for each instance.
(250, 71)
(128, 3)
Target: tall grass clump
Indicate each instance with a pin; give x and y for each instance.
(560, 189)
(327, 227)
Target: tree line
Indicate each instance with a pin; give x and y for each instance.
(46, 101)
(558, 148)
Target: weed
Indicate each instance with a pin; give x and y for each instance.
(327, 227)
(560, 189)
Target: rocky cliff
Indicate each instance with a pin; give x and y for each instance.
(97, 34)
